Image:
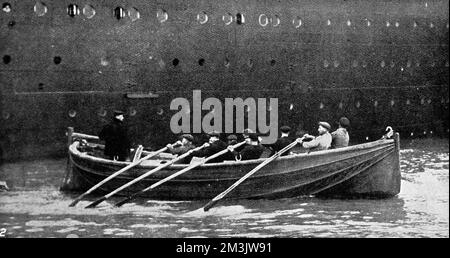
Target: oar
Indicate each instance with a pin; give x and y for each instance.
(131, 165)
(267, 161)
(120, 203)
(98, 201)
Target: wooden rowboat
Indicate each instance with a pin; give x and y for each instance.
(366, 170)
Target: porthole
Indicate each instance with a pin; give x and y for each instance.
(161, 64)
(201, 61)
(6, 7)
(102, 112)
(72, 113)
(227, 19)
(226, 63)
(6, 115)
(6, 59)
(175, 62)
(57, 60)
(276, 21)
(40, 9)
(297, 22)
(263, 20)
(73, 10)
(240, 18)
(132, 112)
(202, 18)
(250, 63)
(134, 14)
(325, 63)
(162, 15)
(119, 13)
(11, 24)
(160, 112)
(88, 11)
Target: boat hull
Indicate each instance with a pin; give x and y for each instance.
(370, 169)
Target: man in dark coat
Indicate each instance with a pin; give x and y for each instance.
(212, 147)
(181, 147)
(282, 142)
(231, 140)
(252, 149)
(117, 144)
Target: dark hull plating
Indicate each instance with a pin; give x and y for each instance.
(377, 62)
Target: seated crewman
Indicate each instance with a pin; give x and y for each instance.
(321, 142)
(340, 137)
(252, 149)
(183, 146)
(213, 146)
(282, 142)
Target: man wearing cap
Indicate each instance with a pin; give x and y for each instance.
(252, 149)
(117, 144)
(282, 142)
(231, 140)
(183, 146)
(321, 142)
(213, 146)
(340, 137)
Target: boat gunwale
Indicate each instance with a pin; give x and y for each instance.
(74, 151)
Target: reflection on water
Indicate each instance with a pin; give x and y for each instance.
(34, 207)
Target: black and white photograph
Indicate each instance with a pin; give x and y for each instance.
(224, 119)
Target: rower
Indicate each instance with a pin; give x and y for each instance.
(182, 146)
(321, 142)
(252, 149)
(340, 137)
(211, 147)
(231, 140)
(282, 142)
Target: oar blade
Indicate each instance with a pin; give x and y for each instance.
(209, 205)
(96, 202)
(78, 199)
(125, 200)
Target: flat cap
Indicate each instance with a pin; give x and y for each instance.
(247, 132)
(325, 125)
(118, 112)
(285, 129)
(253, 136)
(344, 122)
(188, 137)
(232, 137)
(214, 133)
